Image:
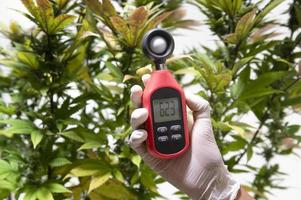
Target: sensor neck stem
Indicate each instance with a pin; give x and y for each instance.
(160, 66)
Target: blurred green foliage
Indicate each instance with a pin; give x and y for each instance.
(65, 115)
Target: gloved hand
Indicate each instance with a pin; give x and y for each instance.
(200, 172)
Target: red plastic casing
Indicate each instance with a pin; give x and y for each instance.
(160, 79)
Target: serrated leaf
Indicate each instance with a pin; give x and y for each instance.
(235, 145)
(89, 168)
(17, 126)
(36, 137)
(285, 62)
(267, 9)
(60, 23)
(118, 175)
(147, 179)
(72, 135)
(58, 162)
(28, 59)
(76, 67)
(4, 167)
(90, 145)
(238, 129)
(57, 188)
(98, 180)
(238, 65)
(136, 159)
(30, 193)
(266, 79)
(31, 7)
(259, 93)
(238, 87)
(291, 101)
(115, 71)
(113, 189)
(5, 184)
(44, 194)
(206, 62)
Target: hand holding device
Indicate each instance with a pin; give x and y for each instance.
(168, 135)
(200, 172)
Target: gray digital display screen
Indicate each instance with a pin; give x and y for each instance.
(167, 109)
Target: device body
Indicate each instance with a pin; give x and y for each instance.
(168, 135)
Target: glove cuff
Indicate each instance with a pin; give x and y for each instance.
(215, 183)
(225, 187)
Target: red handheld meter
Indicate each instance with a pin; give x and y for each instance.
(168, 135)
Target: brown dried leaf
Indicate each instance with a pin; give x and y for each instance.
(138, 17)
(157, 20)
(244, 25)
(95, 6)
(120, 24)
(187, 24)
(137, 21)
(261, 33)
(44, 4)
(288, 142)
(121, 27)
(108, 8)
(177, 14)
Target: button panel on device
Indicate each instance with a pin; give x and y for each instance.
(176, 137)
(169, 135)
(163, 138)
(175, 128)
(162, 129)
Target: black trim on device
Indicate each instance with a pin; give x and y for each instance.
(171, 145)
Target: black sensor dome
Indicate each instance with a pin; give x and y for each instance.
(158, 45)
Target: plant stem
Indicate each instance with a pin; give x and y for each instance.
(264, 118)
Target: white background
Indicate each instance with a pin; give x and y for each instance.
(187, 39)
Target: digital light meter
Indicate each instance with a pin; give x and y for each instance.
(163, 97)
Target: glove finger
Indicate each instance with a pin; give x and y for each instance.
(199, 106)
(137, 138)
(136, 94)
(136, 142)
(138, 117)
(145, 78)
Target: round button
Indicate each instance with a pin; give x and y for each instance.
(158, 44)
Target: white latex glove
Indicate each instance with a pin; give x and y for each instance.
(200, 172)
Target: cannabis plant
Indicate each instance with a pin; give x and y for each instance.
(64, 83)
